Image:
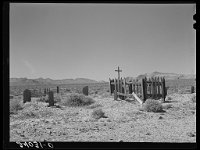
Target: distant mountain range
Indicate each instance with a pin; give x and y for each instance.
(48, 81)
(167, 76)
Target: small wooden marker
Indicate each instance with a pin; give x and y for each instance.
(85, 90)
(51, 98)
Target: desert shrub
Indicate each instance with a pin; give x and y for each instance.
(76, 99)
(68, 90)
(33, 110)
(57, 99)
(98, 113)
(15, 106)
(194, 99)
(151, 105)
(31, 106)
(28, 114)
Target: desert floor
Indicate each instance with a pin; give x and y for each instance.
(124, 121)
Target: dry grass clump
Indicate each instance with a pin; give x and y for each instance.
(57, 98)
(151, 105)
(76, 99)
(98, 113)
(15, 106)
(33, 110)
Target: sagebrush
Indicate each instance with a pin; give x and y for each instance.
(76, 99)
(98, 113)
(15, 106)
(151, 105)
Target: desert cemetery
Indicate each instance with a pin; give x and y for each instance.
(148, 109)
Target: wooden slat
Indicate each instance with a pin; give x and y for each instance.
(124, 86)
(137, 98)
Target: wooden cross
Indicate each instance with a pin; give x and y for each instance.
(118, 70)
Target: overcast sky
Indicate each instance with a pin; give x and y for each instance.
(62, 41)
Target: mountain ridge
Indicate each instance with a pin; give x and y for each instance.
(48, 81)
(167, 76)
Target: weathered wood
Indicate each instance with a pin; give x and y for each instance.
(152, 87)
(26, 96)
(85, 90)
(57, 89)
(137, 98)
(110, 87)
(134, 87)
(115, 84)
(115, 94)
(51, 98)
(192, 89)
(158, 85)
(163, 89)
(120, 96)
(143, 89)
(155, 88)
(130, 88)
(124, 86)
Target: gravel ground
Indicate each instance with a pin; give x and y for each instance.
(124, 121)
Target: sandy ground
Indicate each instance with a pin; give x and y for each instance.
(124, 122)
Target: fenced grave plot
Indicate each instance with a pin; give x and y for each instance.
(144, 89)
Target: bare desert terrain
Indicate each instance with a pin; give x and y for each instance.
(123, 120)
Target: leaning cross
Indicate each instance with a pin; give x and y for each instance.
(118, 70)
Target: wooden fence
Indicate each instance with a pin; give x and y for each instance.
(144, 88)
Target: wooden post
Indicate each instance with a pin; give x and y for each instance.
(85, 90)
(144, 90)
(110, 86)
(57, 89)
(130, 88)
(133, 84)
(150, 92)
(51, 98)
(158, 85)
(155, 87)
(121, 84)
(124, 85)
(118, 70)
(137, 88)
(163, 89)
(26, 96)
(152, 87)
(116, 85)
(192, 89)
(115, 94)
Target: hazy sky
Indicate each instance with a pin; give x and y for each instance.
(62, 41)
